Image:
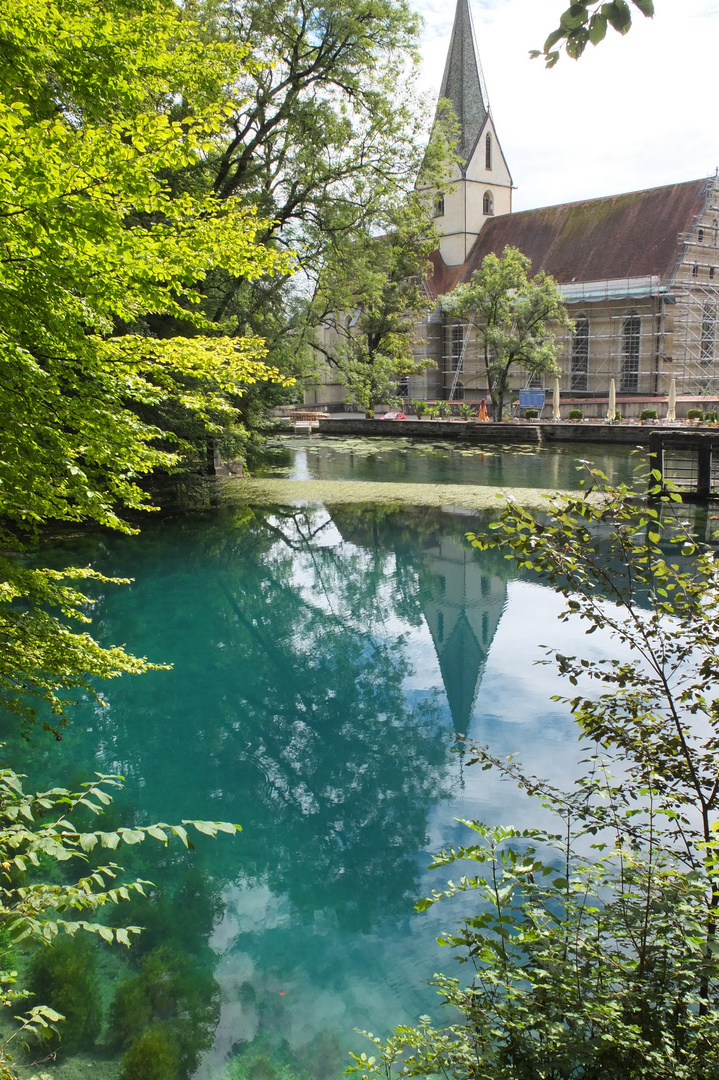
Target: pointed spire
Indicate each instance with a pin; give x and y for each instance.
(463, 81)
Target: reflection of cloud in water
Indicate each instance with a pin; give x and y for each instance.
(514, 715)
(425, 673)
(248, 909)
(291, 985)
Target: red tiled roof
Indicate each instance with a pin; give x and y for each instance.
(621, 236)
(443, 277)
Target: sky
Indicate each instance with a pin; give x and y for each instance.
(634, 112)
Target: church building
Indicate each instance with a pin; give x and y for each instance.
(639, 272)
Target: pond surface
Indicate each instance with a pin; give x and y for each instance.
(324, 660)
(399, 460)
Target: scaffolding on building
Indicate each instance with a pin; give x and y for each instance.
(677, 336)
(641, 333)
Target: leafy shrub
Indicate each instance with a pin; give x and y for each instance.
(576, 414)
(648, 414)
(419, 408)
(466, 411)
(617, 415)
(711, 416)
(444, 409)
(695, 414)
(531, 414)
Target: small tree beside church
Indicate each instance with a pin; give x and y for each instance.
(512, 315)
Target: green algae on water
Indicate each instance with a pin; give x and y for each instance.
(269, 492)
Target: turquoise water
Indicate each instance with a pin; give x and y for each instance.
(324, 660)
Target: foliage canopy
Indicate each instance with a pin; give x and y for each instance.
(586, 22)
(370, 299)
(510, 313)
(99, 105)
(326, 139)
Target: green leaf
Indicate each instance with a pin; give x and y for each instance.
(575, 16)
(618, 15)
(182, 833)
(131, 836)
(597, 28)
(552, 40)
(157, 833)
(205, 827)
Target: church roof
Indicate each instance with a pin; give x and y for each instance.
(442, 278)
(620, 236)
(462, 83)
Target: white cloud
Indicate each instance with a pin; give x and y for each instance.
(635, 112)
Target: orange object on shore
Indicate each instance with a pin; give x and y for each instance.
(482, 414)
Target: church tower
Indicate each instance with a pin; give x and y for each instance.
(481, 184)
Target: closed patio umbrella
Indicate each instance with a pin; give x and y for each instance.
(556, 415)
(612, 404)
(672, 401)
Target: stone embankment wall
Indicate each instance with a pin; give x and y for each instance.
(474, 432)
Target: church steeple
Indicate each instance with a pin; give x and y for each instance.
(481, 186)
(463, 82)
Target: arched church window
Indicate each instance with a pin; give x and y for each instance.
(580, 353)
(712, 271)
(488, 153)
(439, 206)
(710, 314)
(631, 337)
(695, 270)
(700, 236)
(488, 203)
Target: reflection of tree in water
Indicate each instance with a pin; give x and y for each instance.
(287, 712)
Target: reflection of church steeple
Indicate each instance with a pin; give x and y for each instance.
(462, 618)
(461, 602)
